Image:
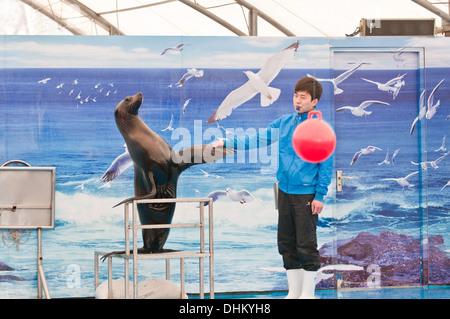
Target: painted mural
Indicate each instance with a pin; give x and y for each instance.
(387, 99)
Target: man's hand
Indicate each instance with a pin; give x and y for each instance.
(316, 206)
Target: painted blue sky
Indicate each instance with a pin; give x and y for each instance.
(215, 52)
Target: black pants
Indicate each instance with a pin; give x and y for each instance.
(297, 239)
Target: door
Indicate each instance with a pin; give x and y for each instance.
(379, 221)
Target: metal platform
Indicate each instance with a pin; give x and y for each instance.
(134, 256)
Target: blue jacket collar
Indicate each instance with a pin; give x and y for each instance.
(303, 116)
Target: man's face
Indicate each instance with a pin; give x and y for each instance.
(303, 103)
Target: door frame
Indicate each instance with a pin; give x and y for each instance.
(339, 179)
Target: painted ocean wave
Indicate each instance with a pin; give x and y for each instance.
(81, 140)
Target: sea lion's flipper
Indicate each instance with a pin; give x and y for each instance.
(199, 154)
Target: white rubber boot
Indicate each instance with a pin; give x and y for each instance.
(295, 281)
(309, 285)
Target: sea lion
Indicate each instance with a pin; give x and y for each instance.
(156, 169)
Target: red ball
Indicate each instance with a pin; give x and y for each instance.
(314, 140)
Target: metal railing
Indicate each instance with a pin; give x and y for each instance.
(135, 256)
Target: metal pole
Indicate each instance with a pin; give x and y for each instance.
(446, 24)
(136, 257)
(211, 251)
(110, 288)
(167, 269)
(135, 253)
(202, 277)
(182, 277)
(213, 17)
(39, 282)
(99, 20)
(427, 5)
(48, 12)
(202, 250)
(267, 18)
(127, 249)
(42, 283)
(253, 22)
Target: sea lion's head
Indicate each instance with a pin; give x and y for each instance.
(127, 109)
(130, 104)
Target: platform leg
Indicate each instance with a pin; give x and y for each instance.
(95, 271)
(182, 277)
(167, 269)
(127, 277)
(201, 278)
(110, 287)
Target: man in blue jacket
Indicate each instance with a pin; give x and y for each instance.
(301, 189)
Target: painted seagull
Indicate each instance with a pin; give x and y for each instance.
(360, 110)
(364, 151)
(386, 160)
(437, 161)
(433, 164)
(337, 80)
(185, 105)
(257, 83)
(424, 165)
(118, 166)
(442, 148)
(243, 196)
(174, 50)
(188, 75)
(44, 81)
(402, 181)
(397, 87)
(432, 109)
(170, 126)
(206, 174)
(392, 86)
(394, 155)
(448, 184)
(422, 111)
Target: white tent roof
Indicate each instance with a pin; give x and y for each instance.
(303, 18)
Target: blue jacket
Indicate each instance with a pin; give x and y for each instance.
(294, 175)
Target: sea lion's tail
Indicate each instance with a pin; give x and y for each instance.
(149, 196)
